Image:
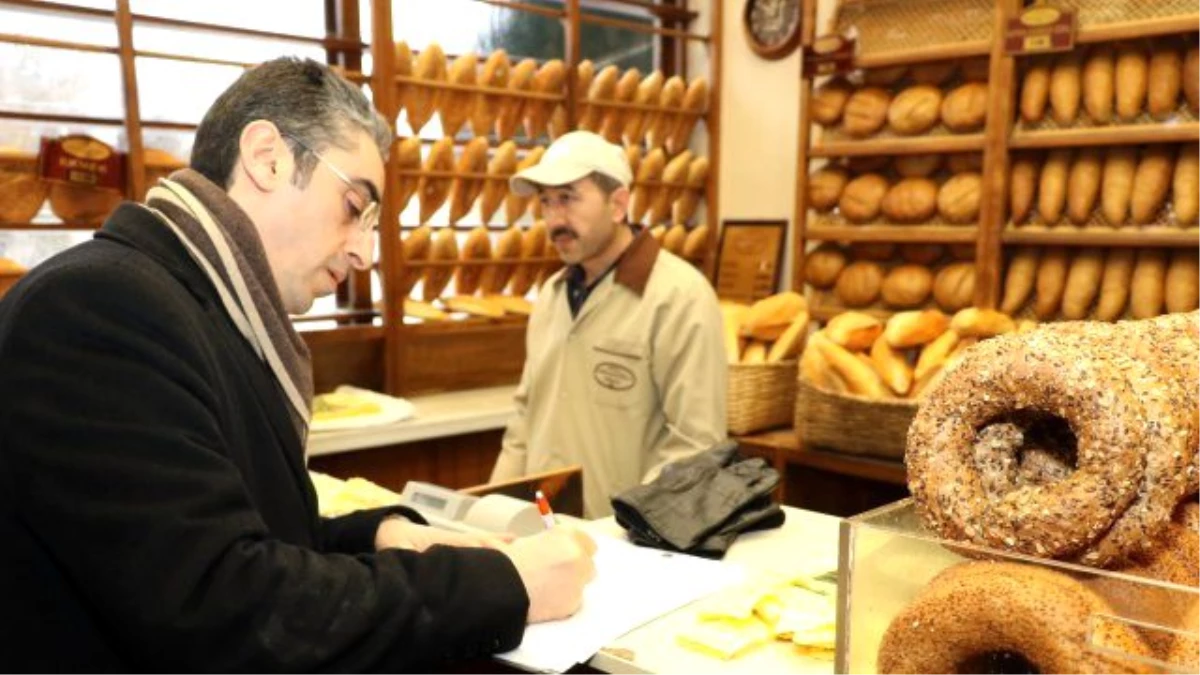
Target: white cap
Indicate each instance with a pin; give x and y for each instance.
(571, 157)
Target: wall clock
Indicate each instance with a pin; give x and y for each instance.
(772, 27)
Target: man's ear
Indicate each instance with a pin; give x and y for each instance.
(620, 203)
(264, 156)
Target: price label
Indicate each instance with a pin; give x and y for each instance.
(1040, 29)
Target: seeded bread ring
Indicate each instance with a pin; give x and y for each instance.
(980, 608)
(1040, 372)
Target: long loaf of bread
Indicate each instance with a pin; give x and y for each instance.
(1115, 284)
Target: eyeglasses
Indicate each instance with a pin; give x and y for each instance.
(368, 217)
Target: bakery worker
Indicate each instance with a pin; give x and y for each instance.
(625, 369)
(154, 504)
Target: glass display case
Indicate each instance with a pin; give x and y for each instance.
(887, 559)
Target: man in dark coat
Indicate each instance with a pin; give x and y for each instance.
(155, 510)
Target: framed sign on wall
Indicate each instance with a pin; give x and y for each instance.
(749, 259)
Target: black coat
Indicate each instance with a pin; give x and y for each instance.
(155, 511)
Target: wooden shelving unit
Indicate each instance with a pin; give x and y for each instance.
(905, 33)
(372, 344)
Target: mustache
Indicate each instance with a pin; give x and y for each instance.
(563, 230)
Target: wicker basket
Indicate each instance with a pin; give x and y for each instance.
(852, 424)
(761, 396)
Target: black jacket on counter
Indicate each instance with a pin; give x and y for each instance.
(155, 510)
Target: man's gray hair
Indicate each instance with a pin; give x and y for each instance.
(314, 107)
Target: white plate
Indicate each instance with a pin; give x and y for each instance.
(391, 410)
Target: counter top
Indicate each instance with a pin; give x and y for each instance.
(807, 543)
(437, 416)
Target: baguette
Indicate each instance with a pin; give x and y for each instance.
(474, 306)
(1098, 73)
(424, 311)
(1018, 281)
(649, 171)
(891, 366)
(520, 80)
(431, 191)
(502, 165)
(1115, 284)
(647, 94)
(859, 377)
(815, 369)
(935, 354)
(495, 72)
(695, 102)
(855, 331)
(1083, 185)
(1051, 281)
(408, 159)
(914, 328)
(613, 121)
(1149, 280)
(756, 352)
(511, 304)
(404, 68)
(515, 205)
(1150, 183)
(548, 80)
(675, 239)
(456, 106)
(533, 246)
(695, 246)
(1083, 283)
(674, 173)
(422, 102)
(414, 248)
(1052, 186)
(506, 254)
(1186, 186)
(732, 315)
(775, 310)
(1065, 88)
(1130, 82)
(791, 342)
(1191, 78)
(697, 179)
(1182, 289)
(662, 123)
(466, 189)
(602, 89)
(1024, 186)
(444, 248)
(1120, 166)
(981, 323)
(1035, 91)
(1164, 80)
(477, 248)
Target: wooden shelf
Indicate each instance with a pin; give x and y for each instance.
(1109, 135)
(1169, 25)
(899, 146)
(478, 89)
(1095, 236)
(941, 234)
(958, 50)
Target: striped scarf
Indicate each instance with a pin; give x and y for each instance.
(225, 244)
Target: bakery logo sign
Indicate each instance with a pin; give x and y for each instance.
(829, 55)
(82, 160)
(614, 376)
(1040, 29)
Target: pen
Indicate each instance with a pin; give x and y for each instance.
(543, 508)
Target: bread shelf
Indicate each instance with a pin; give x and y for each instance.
(478, 89)
(477, 175)
(944, 52)
(940, 234)
(899, 146)
(1098, 236)
(1181, 132)
(1152, 27)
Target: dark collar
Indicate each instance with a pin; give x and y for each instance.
(633, 266)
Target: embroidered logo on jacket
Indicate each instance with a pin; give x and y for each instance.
(614, 376)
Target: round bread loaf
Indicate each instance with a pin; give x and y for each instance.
(866, 112)
(954, 286)
(862, 198)
(823, 265)
(965, 108)
(858, 285)
(825, 187)
(912, 200)
(958, 199)
(915, 110)
(828, 102)
(906, 286)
